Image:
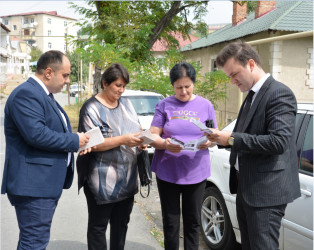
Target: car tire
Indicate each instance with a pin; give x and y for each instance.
(216, 226)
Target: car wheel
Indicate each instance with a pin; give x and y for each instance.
(216, 227)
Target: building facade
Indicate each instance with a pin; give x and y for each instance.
(288, 57)
(46, 30)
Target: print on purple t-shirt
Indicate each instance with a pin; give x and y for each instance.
(173, 116)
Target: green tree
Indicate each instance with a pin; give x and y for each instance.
(35, 54)
(133, 27)
(75, 59)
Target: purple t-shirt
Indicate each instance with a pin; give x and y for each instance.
(173, 116)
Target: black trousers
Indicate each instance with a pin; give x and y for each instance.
(117, 214)
(192, 196)
(259, 226)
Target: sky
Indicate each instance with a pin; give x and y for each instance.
(218, 11)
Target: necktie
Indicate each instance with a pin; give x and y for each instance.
(245, 110)
(52, 98)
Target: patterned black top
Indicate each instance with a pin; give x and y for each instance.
(112, 174)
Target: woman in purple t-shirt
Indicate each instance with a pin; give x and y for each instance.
(181, 170)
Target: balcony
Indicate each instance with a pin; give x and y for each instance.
(29, 25)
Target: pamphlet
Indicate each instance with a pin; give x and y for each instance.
(190, 145)
(95, 138)
(199, 124)
(147, 136)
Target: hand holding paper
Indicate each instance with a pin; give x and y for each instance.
(95, 138)
(147, 136)
(199, 124)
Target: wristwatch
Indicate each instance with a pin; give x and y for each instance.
(231, 140)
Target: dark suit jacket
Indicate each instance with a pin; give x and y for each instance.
(266, 148)
(37, 144)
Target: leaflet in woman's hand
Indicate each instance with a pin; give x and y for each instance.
(95, 138)
(190, 145)
(199, 124)
(147, 136)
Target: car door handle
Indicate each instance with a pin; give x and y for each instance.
(226, 165)
(306, 192)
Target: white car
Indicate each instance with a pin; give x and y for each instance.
(144, 103)
(220, 228)
(75, 89)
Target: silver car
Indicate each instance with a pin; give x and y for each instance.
(220, 228)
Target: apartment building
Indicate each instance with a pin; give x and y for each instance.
(45, 29)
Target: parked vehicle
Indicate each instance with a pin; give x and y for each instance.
(75, 89)
(144, 103)
(220, 228)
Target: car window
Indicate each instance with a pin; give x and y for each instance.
(144, 105)
(306, 154)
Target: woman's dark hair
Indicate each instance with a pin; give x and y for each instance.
(52, 59)
(114, 72)
(181, 70)
(240, 52)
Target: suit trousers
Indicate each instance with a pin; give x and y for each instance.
(117, 214)
(34, 217)
(259, 226)
(192, 197)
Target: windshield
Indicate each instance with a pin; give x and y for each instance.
(144, 105)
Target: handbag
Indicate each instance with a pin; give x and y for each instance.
(144, 171)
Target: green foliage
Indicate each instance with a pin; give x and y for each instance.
(75, 59)
(35, 54)
(212, 86)
(123, 32)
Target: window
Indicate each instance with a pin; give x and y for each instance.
(306, 157)
(32, 20)
(26, 32)
(14, 27)
(49, 20)
(213, 66)
(6, 21)
(49, 32)
(26, 20)
(49, 46)
(65, 23)
(33, 33)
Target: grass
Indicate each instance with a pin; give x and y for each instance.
(73, 112)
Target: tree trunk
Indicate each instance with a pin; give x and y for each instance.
(97, 80)
(164, 22)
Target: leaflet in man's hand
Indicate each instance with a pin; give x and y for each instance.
(147, 136)
(95, 138)
(190, 145)
(199, 124)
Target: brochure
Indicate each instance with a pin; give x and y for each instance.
(95, 138)
(190, 145)
(199, 124)
(147, 136)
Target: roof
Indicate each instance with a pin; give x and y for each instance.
(292, 16)
(14, 38)
(161, 45)
(51, 13)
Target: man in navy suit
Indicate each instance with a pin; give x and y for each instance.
(39, 144)
(263, 159)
